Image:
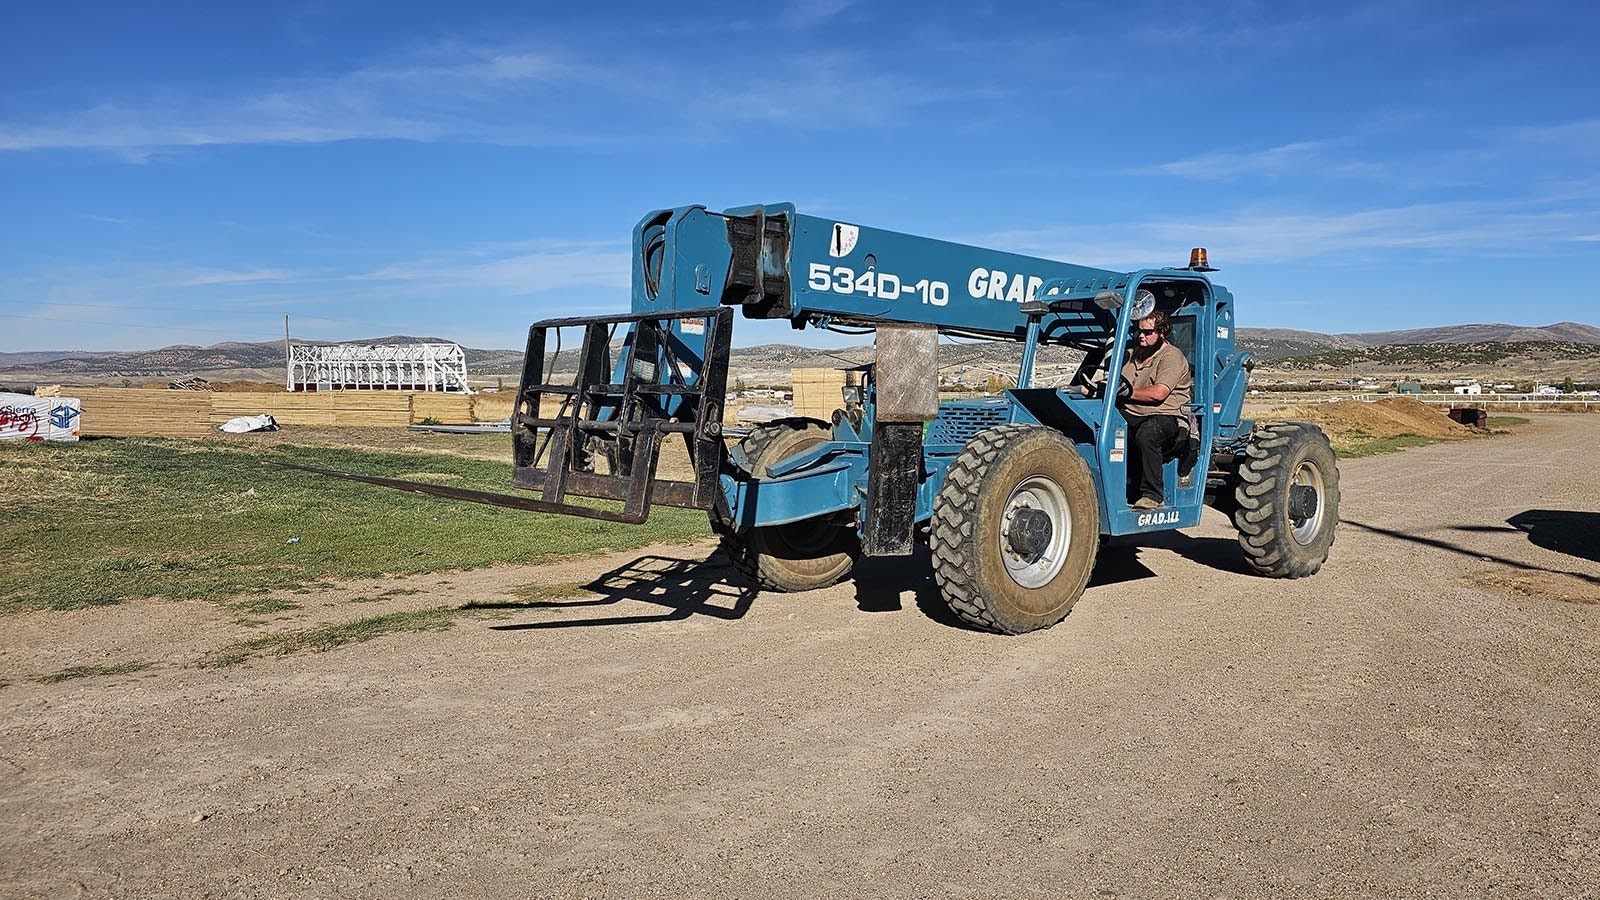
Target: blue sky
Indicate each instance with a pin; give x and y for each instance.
(190, 172)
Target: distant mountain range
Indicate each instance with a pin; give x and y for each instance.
(265, 359)
(1272, 344)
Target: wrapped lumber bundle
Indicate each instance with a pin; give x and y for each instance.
(446, 409)
(322, 408)
(818, 392)
(139, 412)
(26, 417)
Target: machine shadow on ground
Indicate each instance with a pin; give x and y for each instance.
(685, 587)
(1556, 538)
(1568, 531)
(881, 583)
(1222, 554)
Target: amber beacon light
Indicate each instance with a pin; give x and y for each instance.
(1197, 260)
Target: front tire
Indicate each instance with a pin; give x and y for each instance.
(1287, 500)
(1016, 528)
(798, 556)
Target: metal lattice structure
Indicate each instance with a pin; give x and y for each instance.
(377, 367)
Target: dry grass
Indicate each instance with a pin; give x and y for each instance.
(1544, 585)
(72, 672)
(493, 407)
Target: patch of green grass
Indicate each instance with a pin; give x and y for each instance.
(534, 593)
(1372, 446)
(327, 637)
(531, 595)
(1505, 421)
(72, 672)
(208, 519)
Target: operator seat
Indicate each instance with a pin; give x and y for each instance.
(1182, 336)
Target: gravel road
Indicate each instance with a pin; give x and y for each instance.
(1418, 720)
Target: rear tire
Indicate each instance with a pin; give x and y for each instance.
(1282, 539)
(1016, 528)
(798, 556)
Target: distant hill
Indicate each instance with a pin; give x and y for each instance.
(1573, 332)
(1442, 357)
(233, 357)
(1273, 344)
(1278, 347)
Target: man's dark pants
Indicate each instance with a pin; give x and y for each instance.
(1151, 440)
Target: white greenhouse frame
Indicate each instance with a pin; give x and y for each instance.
(377, 367)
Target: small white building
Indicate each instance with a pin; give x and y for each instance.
(1471, 388)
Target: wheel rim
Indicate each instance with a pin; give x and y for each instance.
(1308, 475)
(1042, 495)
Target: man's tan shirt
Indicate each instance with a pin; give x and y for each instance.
(1165, 366)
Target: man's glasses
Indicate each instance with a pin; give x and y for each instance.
(1142, 331)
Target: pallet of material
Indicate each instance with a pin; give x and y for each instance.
(448, 409)
(133, 412)
(818, 392)
(332, 408)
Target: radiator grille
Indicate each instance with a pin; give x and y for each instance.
(958, 422)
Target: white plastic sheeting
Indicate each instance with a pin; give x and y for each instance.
(247, 424)
(24, 417)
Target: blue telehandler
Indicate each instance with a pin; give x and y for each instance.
(1013, 494)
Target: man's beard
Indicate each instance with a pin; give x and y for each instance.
(1142, 353)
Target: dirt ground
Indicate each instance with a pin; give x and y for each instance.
(1418, 720)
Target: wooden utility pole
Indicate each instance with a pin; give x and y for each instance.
(288, 368)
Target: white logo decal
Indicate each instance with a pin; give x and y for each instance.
(843, 239)
(994, 284)
(1168, 517)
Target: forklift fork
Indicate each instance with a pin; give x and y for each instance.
(665, 381)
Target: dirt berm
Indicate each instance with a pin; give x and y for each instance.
(1348, 421)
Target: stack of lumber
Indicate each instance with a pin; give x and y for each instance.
(493, 407)
(446, 409)
(818, 392)
(329, 408)
(128, 412)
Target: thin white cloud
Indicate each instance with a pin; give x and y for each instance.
(206, 277)
(1294, 159)
(1270, 236)
(517, 269)
(1581, 137)
(514, 95)
(811, 13)
(457, 92)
